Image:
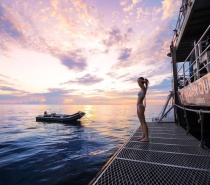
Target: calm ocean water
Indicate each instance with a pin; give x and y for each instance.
(54, 153)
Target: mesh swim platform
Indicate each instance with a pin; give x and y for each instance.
(171, 157)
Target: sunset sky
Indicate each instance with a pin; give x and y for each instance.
(85, 51)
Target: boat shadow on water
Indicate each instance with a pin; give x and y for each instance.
(73, 123)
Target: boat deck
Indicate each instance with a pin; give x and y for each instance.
(171, 157)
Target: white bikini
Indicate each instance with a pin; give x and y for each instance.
(141, 95)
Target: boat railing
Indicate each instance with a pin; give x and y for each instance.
(197, 63)
(200, 113)
(200, 120)
(182, 14)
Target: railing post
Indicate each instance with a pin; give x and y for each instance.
(175, 84)
(197, 61)
(188, 126)
(176, 116)
(202, 143)
(183, 75)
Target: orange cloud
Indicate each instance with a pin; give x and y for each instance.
(68, 101)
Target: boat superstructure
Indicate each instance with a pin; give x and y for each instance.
(190, 54)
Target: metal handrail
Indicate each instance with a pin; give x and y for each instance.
(195, 47)
(200, 120)
(194, 63)
(180, 20)
(197, 58)
(196, 71)
(192, 110)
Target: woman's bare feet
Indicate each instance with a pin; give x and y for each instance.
(144, 140)
(140, 138)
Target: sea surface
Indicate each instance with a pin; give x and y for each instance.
(42, 153)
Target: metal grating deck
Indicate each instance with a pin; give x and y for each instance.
(171, 157)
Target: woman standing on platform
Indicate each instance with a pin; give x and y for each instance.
(141, 105)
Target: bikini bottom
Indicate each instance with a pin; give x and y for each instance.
(139, 106)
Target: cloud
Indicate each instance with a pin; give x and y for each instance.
(53, 96)
(142, 14)
(125, 21)
(12, 90)
(4, 76)
(149, 58)
(85, 80)
(74, 61)
(169, 8)
(115, 37)
(129, 30)
(5, 88)
(148, 15)
(123, 2)
(114, 75)
(70, 31)
(5, 80)
(136, 1)
(60, 96)
(152, 14)
(132, 79)
(131, 6)
(125, 53)
(85, 12)
(128, 8)
(8, 31)
(34, 29)
(165, 84)
(7, 26)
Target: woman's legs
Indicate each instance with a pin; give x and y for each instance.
(141, 116)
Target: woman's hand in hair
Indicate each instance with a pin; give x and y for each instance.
(146, 82)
